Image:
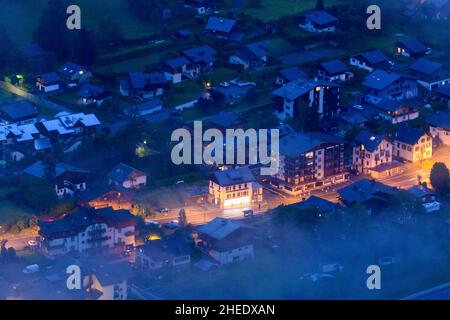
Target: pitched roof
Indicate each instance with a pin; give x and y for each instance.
(419, 191)
(18, 111)
(381, 79)
(297, 143)
(440, 119)
(321, 204)
(293, 73)
(425, 66)
(296, 88)
(167, 248)
(123, 172)
(233, 176)
(220, 228)
(220, 24)
(369, 140)
(365, 189)
(37, 169)
(373, 57)
(177, 62)
(334, 67)
(408, 134)
(92, 91)
(50, 77)
(319, 17)
(224, 119)
(203, 54)
(413, 45)
(259, 49)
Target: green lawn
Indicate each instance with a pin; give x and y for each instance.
(275, 9)
(183, 92)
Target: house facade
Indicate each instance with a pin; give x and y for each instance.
(89, 232)
(323, 96)
(317, 21)
(143, 85)
(334, 71)
(370, 151)
(412, 144)
(439, 126)
(371, 60)
(234, 187)
(127, 177)
(396, 112)
(309, 161)
(429, 74)
(251, 56)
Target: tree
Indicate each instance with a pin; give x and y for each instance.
(110, 35)
(439, 177)
(182, 219)
(320, 5)
(49, 164)
(11, 253)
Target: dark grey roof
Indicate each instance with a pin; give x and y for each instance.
(369, 140)
(440, 119)
(380, 79)
(50, 77)
(107, 272)
(220, 228)
(373, 57)
(37, 169)
(18, 111)
(224, 119)
(299, 87)
(293, 73)
(334, 67)
(122, 172)
(92, 91)
(203, 54)
(167, 248)
(413, 45)
(220, 24)
(444, 90)
(177, 62)
(321, 204)
(233, 176)
(259, 49)
(389, 105)
(319, 17)
(408, 134)
(425, 66)
(70, 68)
(365, 189)
(33, 50)
(419, 191)
(139, 80)
(297, 143)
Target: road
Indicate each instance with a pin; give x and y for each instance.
(36, 99)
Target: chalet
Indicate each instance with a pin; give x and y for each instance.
(175, 68)
(439, 126)
(251, 56)
(144, 109)
(226, 120)
(73, 74)
(183, 34)
(324, 96)
(143, 85)
(372, 151)
(127, 177)
(371, 60)
(89, 232)
(412, 48)
(334, 70)
(396, 112)
(12, 135)
(370, 193)
(317, 21)
(48, 82)
(221, 28)
(19, 112)
(382, 84)
(426, 197)
(234, 187)
(68, 179)
(67, 125)
(412, 144)
(287, 75)
(309, 161)
(93, 95)
(201, 61)
(429, 74)
(160, 255)
(443, 94)
(324, 206)
(226, 241)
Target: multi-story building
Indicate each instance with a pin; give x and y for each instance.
(309, 161)
(323, 96)
(396, 112)
(234, 187)
(370, 151)
(89, 232)
(429, 74)
(412, 144)
(439, 126)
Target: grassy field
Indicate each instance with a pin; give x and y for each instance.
(9, 211)
(275, 9)
(22, 17)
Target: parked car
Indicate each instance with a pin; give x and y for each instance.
(330, 268)
(162, 210)
(387, 261)
(33, 268)
(358, 107)
(152, 223)
(171, 225)
(32, 243)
